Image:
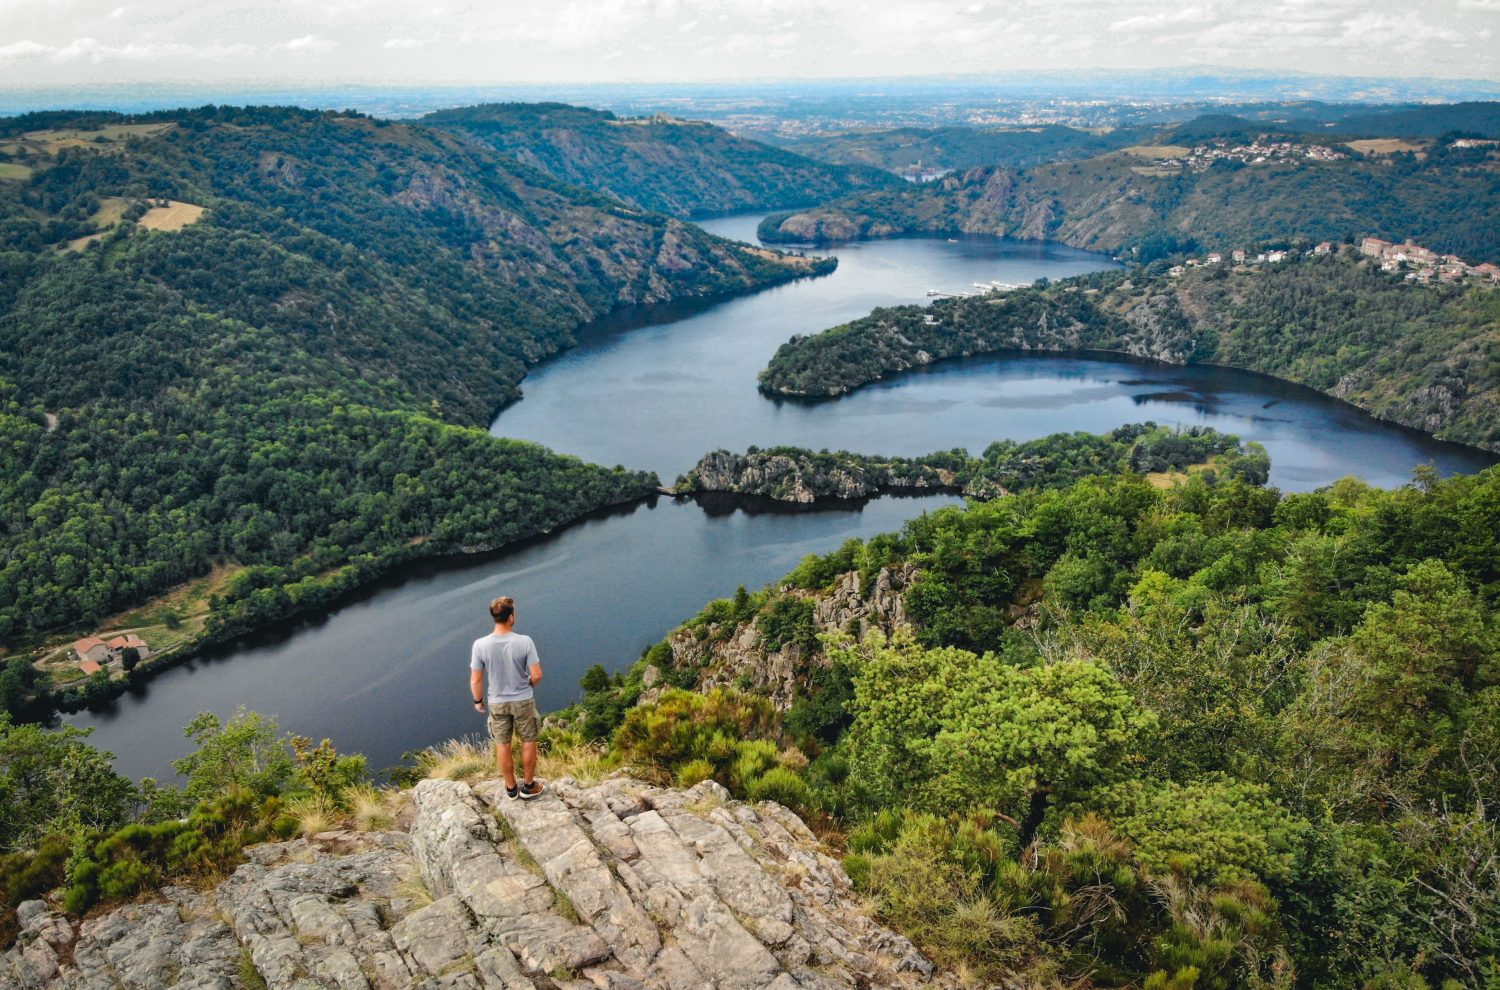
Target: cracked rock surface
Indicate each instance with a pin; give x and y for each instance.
(614, 886)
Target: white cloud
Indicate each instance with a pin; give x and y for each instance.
(24, 50)
(310, 44)
(547, 40)
(1151, 22)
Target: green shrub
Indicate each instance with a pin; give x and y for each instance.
(694, 772)
(783, 786)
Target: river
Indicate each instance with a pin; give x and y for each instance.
(384, 672)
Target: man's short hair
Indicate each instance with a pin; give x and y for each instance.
(501, 609)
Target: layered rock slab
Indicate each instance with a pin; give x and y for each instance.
(614, 886)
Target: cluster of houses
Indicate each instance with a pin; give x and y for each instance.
(1476, 143)
(1258, 152)
(1239, 257)
(1423, 264)
(94, 654)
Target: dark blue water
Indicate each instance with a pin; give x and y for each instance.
(387, 672)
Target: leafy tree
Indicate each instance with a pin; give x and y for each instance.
(52, 782)
(944, 728)
(247, 752)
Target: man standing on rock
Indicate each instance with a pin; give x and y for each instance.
(510, 661)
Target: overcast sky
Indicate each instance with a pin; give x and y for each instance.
(51, 42)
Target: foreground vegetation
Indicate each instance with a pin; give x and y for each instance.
(1208, 736)
(1203, 736)
(297, 383)
(1422, 356)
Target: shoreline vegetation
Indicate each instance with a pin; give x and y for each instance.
(1418, 356)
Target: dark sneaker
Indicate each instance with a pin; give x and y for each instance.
(511, 792)
(531, 790)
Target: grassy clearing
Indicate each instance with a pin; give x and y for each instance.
(14, 173)
(54, 140)
(1156, 151)
(1384, 146)
(173, 216)
(1168, 479)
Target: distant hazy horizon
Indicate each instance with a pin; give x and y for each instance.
(472, 42)
(718, 99)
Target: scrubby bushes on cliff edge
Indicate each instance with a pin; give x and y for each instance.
(1240, 739)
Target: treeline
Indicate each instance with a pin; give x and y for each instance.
(1422, 356)
(298, 382)
(680, 167)
(1447, 199)
(1207, 736)
(794, 474)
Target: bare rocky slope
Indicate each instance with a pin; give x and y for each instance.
(614, 886)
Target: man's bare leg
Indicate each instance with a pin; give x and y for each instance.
(507, 761)
(528, 761)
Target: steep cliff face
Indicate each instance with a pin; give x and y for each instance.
(740, 657)
(615, 886)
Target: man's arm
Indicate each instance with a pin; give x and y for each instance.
(536, 666)
(476, 681)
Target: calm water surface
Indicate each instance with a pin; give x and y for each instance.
(386, 672)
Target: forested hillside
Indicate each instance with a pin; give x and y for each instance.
(679, 167)
(900, 149)
(1129, 201)
(296, 384)
(1422, 356)
(1116, 735)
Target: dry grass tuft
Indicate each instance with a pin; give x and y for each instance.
(370, 807)
(587, 763)
(313, 813)
(458, 759)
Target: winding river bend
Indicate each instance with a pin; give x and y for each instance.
(385, 672)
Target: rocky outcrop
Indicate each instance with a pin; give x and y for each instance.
(615, 886)
(739, 656)
(789, 474)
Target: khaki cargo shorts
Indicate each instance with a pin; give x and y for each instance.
(514, 716)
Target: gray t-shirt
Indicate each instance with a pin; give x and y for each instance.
(506, 659)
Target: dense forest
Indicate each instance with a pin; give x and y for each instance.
(1203, 736)
(1447, 199)
(1423, 356)
(679, 167)
(295, 384)
(794, 474)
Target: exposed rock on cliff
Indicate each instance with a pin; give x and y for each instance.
(790, 474)
(740, 656)
(616, 886)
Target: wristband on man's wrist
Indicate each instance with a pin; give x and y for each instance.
(478, 701)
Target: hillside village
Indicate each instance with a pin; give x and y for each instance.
(1422, 265)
